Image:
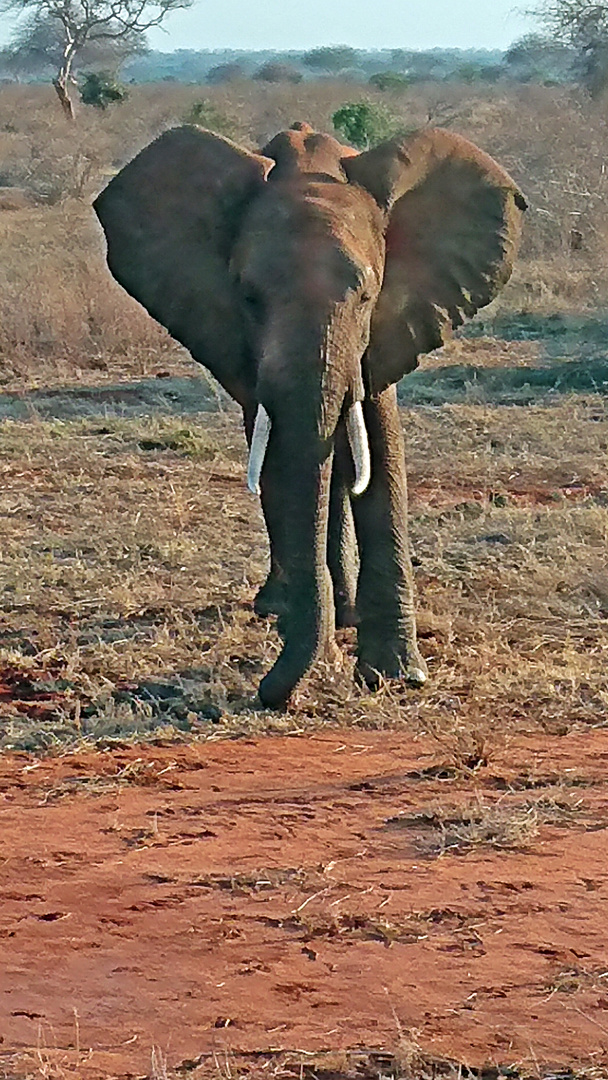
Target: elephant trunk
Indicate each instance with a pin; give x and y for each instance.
(307, 388)
(308, 625)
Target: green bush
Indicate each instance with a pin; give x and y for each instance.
(226, 73)
(207, 115)
(273, 71)
(100, 89)
(474, 73)
(389, 80)
(331, 59)
(364, 123)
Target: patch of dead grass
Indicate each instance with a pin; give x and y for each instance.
(507, 822)
(123, 567)
(129, 549)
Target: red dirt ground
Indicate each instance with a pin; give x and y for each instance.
(259, 894)
(520, 490)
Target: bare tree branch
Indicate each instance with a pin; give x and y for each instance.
(583, 26)
(70, 27)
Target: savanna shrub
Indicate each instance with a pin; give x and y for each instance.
(226, 73)
(363, 123)
(207, 115)
(100, 89)
(389, 80)
(275, 72)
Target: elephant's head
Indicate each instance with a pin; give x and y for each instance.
(307, 277)
(308, 266)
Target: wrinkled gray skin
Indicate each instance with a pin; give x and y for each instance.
(306, 262)
(310, 342)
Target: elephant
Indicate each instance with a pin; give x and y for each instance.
(308, 278)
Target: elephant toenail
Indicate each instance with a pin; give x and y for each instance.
(417, 676)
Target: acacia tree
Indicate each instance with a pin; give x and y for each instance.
(73, 28)
(331, 59)
(583, 26)
(538, 58)
(38, 45)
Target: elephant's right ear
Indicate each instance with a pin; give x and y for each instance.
(170, 218)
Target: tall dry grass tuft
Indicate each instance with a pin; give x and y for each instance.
(60, 312)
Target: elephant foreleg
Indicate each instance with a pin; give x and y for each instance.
(385, 595)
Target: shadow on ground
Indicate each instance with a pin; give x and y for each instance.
(470, 384)
(41, 708)
(574, 360)
(148, 396)
(556, 331)
(451, 384)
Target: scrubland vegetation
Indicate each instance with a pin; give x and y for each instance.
(130, 549)
(58, 303)
(130, 552)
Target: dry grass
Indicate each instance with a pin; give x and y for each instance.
(130, 551)
(507, 822)
(61, 317)
(406, 1062)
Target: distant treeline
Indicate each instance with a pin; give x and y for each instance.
(532, 59)
(190, 66)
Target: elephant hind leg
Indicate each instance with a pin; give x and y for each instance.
(270, 598)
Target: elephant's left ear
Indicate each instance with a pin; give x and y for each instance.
(453, 227)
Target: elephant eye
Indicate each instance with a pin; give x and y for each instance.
(365, 298)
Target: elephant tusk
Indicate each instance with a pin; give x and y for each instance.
(257, 451)
(359, 447)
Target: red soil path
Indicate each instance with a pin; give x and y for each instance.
(255, 894)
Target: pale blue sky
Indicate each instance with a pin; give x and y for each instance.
(371, 24)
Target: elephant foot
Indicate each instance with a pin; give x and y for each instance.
(270, 599)
(402, 662)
